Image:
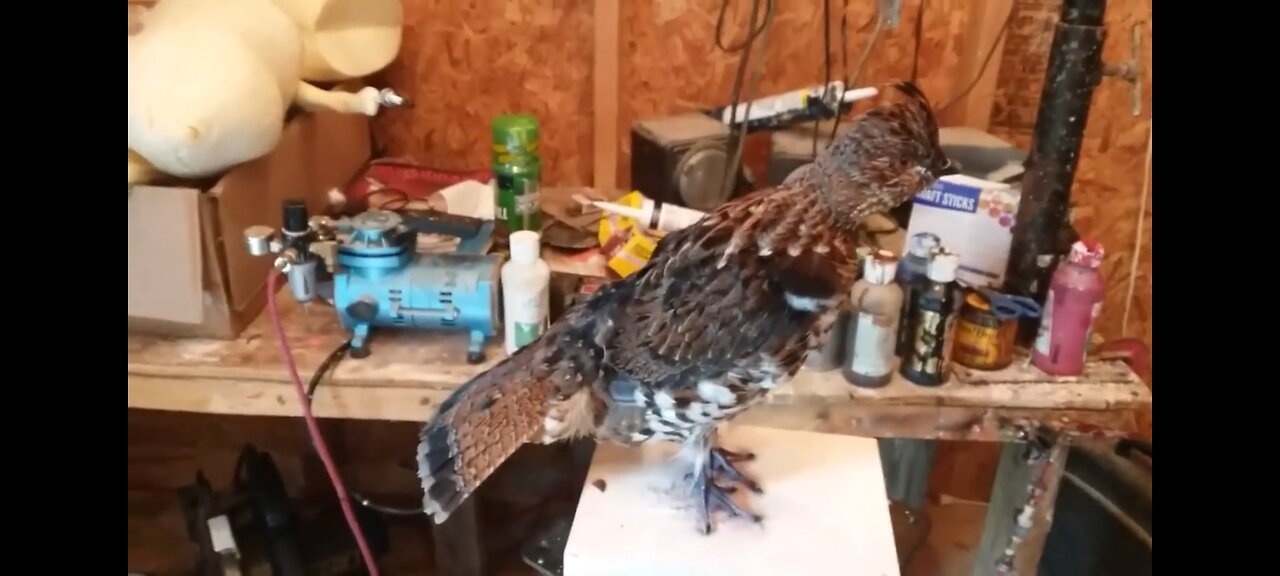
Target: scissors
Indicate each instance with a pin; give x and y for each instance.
(1007, 306)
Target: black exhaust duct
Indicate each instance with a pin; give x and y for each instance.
(1042, 233)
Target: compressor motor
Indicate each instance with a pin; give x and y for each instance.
(368, 267)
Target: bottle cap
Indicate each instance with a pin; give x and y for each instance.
(923, 244)
(526, 246)
(879, 267)
(515, 134)
(1086, 253)
(977, 301)
(943, 266)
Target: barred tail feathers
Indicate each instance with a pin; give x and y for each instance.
(478, 427)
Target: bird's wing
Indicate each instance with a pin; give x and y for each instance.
(714, 297)
(480, 425)
(711, 303)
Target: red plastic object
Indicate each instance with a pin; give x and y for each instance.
(1132, 351)
(404, 177)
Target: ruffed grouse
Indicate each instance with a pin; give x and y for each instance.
(725, 311)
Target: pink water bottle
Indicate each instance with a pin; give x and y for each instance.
(1070, 310)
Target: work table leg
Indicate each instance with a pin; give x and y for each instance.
(457, 543)
(907, 463)
(1021, 509)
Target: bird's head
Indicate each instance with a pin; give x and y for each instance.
(889, 153)
(907, 108)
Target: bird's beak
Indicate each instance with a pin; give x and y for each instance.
(949, 168)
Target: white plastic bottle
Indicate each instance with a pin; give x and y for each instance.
(526, 291)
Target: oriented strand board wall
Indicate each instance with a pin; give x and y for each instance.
(671, 63)
(465, 63)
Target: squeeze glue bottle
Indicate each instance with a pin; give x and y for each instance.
(655, 215)
(526, 295)
(913, 275)
(873, 330)
(1070, 311)
(926, 363)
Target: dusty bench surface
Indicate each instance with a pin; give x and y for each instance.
(409, 373)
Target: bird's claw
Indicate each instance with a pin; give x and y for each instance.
(716, 499)
(713, 484)
(723, 468)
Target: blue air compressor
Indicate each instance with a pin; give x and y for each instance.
(368, 267)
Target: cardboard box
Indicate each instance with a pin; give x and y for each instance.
(189, 272)
(973, 214)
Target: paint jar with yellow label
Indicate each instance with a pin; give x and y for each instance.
(983, 340)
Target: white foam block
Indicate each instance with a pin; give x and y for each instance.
(825, 512)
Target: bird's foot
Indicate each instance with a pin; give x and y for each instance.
(712, 497)
(723, 468)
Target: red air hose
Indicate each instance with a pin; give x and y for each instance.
(313, 427)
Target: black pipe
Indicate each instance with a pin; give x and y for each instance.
(1042, 233)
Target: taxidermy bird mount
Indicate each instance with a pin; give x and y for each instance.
(724, 312)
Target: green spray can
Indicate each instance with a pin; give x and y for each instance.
(517, 173)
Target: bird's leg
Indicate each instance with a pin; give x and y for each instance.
(709, 495)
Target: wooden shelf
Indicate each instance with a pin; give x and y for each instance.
(410, 372)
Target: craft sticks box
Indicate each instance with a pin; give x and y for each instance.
(971, 213)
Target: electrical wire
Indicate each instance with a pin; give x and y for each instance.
(1137, 236)
(826, 70)
(915, 50)
(878, 22)
(752, 83)
(844, 70)
(328, 365)
(729, 177)
(986, 61)
(751, 34)
(1111, 508)
(313, 426)
(330, 362)
(401, 196)
(383, 508)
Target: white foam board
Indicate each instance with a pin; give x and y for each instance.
(825, 512)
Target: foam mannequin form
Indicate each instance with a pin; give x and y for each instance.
(345, 39)
(210, 81)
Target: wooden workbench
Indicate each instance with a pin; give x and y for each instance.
(409, 373)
